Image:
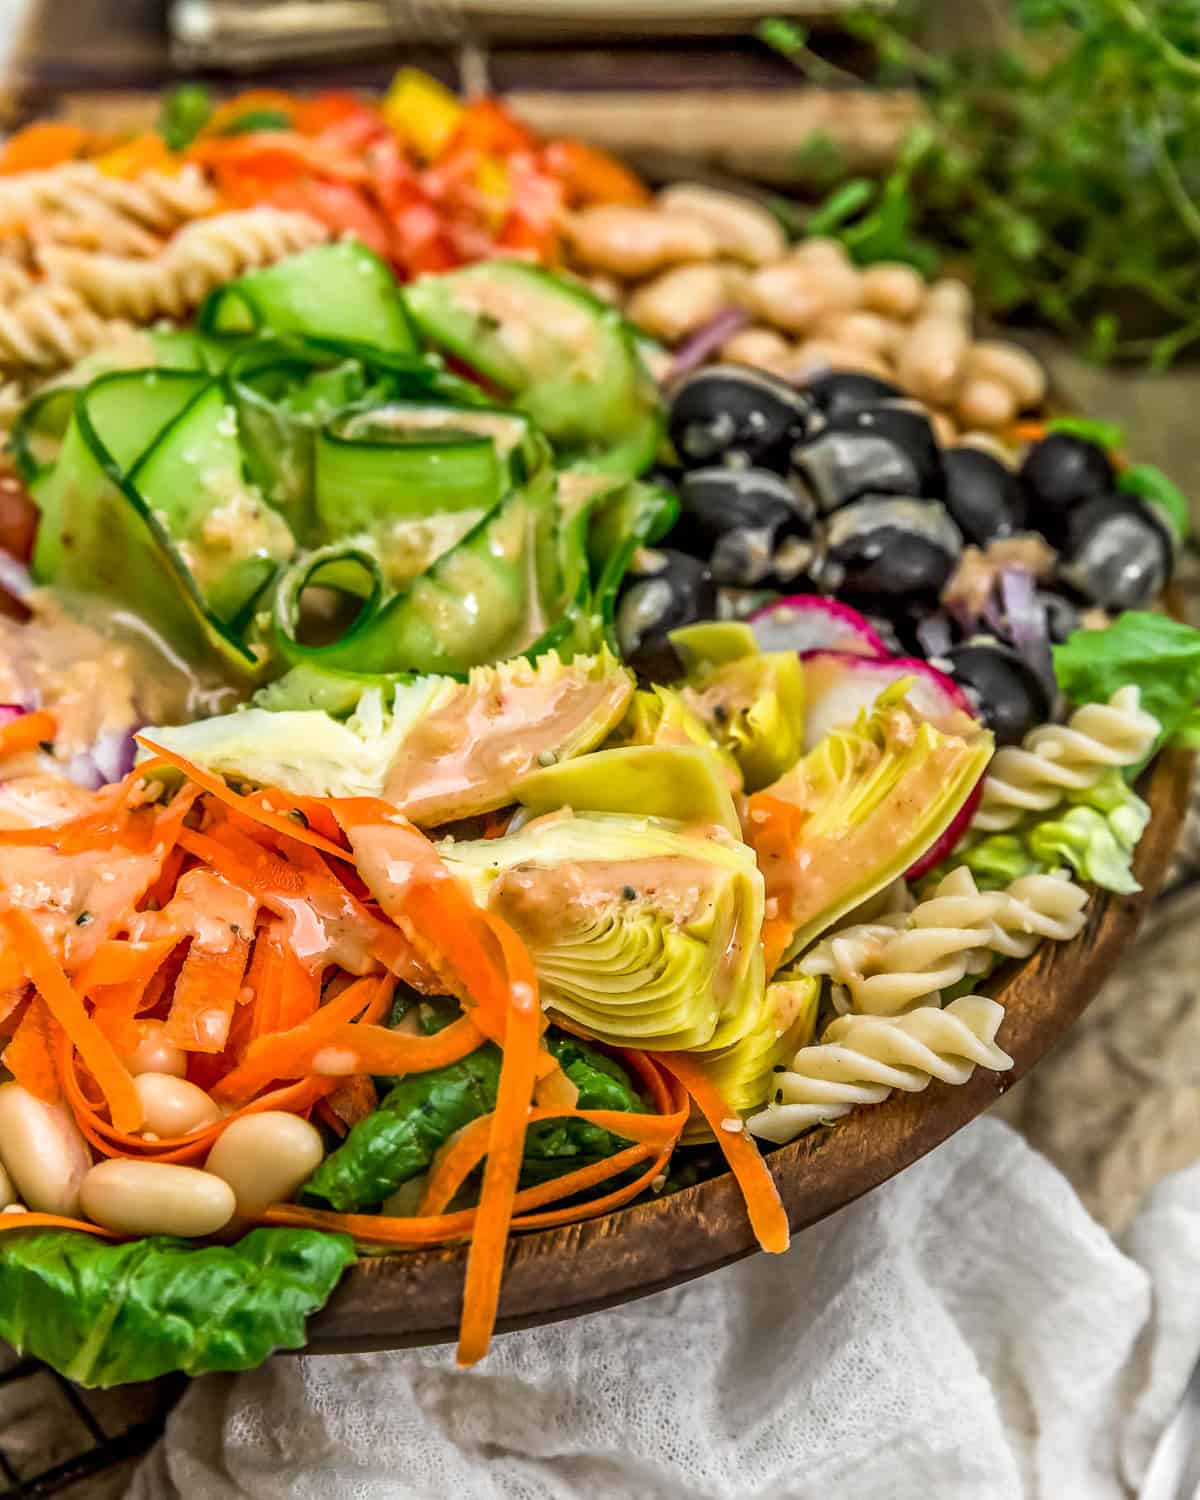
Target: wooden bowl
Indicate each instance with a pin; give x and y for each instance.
(414, 1298)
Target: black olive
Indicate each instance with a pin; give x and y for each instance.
(1118, 554)
(730, 414)
(1062, 615)
(847, 390)
(1060, 472)
(890, 547)
(985, 498)
(1011, 697)
(663, 590)
(879, 450)
(751, 525)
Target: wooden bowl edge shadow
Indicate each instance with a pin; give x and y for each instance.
(414, 1299)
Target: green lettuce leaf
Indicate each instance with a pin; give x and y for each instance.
(397, 1141)
(105, 1314)
(1160, 656)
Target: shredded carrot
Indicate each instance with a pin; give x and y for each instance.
(46, 974)
(506, 1145)
(27, 732)
(123, 962)
(9, 1222)
(206, 994)
(362, 1048)
(29, 1057)
(763, 1203)
(453, 1163)
(282, 1054)
(1030, 431)
(300, 992)
(252, 807)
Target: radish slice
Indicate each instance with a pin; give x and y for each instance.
(949, 840)
(838, 686)
(811, 622)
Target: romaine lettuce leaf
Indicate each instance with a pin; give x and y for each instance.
(1159, 656)
(105, 1314)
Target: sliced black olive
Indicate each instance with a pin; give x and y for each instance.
(985, 499)
(890, 547)
(751, 525)
(663, 590)
(730, 414)
(1063, 615)
(879, 450)
(1011, 697)
(1118, 554)
(1060, 472)
(848, 390)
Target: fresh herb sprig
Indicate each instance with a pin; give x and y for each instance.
(1062, 165)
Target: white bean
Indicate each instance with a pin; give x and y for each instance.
(796, 294)
(155, 1197)
(8, 1193)
(930, 361)
(626, 241)
(893, 289)
(760, 348)
(819, 248)
(679, 301)
(995, 359)
(173, 1106)
(862, 330)
(984, 402)
(265, 1157)
(989, 443)
(815, 356)
(950, 299)
(743, 229)
(42, 1151)
(154, 1054)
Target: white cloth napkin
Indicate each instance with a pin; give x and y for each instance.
(967, 1331)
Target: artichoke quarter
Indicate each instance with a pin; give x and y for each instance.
(644, 931)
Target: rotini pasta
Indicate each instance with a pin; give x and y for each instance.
(51, 326)
(1058, 758)
(861, 1059)
(886, 967)
(77, 204)
(201, 256)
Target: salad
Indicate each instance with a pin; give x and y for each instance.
(455, 783)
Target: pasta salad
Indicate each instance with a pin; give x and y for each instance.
(513, 692)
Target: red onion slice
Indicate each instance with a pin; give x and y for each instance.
(1026, 623)
(706, 340)
(10, 711)
(15, 577)
(812, 622)
(933, 632)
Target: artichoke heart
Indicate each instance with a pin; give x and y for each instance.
(744, 1074)
(439, 750)
(855, 813)
(754, 708)
(643, 931)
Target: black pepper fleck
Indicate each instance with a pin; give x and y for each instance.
(778, 1096)
(628, 892)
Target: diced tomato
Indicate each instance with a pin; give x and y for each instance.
(487, 126)
(590, 175)
(417, 238)
(45, 144)
(340, 119)
(278, 153)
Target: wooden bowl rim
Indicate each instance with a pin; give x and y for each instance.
(414, 1298)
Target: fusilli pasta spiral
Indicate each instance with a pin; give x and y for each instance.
(884, 968)
(1058, 758)
(861, 1059)
(201, 256)
(50, 326)
(78, 204)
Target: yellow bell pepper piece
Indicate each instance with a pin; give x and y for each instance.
(422, 112)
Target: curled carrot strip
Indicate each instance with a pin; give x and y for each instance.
(27, 732)
(763, 1203)
(252, 807)
(45, 972)
(54, 1221)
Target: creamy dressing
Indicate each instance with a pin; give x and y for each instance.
(99, 669)
(546, 337)
(464, 756)
(409, 545)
